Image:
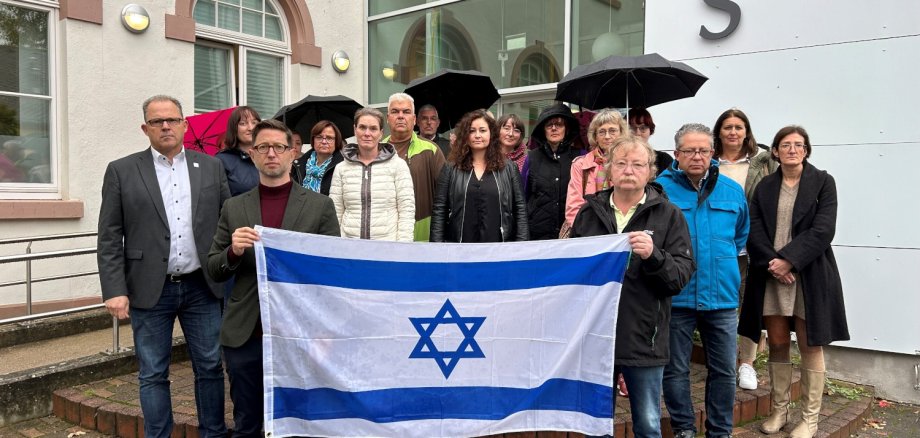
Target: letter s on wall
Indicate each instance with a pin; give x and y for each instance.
(734, 12)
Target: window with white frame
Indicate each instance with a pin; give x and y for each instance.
(241, 55)
(27, 101)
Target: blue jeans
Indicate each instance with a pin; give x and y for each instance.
(718, 330)
(199, 315)
(644, 385)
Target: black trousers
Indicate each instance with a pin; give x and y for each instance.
(244, 365)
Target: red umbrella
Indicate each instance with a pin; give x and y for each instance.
(205, 132)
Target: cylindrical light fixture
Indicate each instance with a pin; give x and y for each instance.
(135, 18)
(340, 61)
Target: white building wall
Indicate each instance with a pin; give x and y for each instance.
(846, 71)
(105, 73)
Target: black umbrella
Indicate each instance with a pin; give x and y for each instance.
(453, 93)
(301, 116)
(629, 82)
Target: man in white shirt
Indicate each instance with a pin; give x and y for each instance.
(159, 212)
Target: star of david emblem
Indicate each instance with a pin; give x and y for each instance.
(447, 360)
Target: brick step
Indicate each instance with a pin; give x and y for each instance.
(111, 407)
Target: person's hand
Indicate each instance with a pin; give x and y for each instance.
(243, 237)
(786, 279)
(117, 307)
(641, 244)
(779, 267)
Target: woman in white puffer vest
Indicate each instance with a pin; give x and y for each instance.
(372, 188)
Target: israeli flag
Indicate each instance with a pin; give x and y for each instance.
(387, 339)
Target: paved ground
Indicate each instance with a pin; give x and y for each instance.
(839, 415)
(54, 351)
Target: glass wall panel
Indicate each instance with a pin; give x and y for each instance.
(25, 121)
(25, 132)
(515, 42)
(604, 28)
(380, 6)
(527, 110)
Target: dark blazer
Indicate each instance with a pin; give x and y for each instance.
(306, 212)
(299, 170)
(814, 221)
(133, 242)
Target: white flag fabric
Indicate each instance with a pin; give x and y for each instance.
(388, 339)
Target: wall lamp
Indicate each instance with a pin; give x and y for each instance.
(388, 71)
(340, 61)
(135, 18)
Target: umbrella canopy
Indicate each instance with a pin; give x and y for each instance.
(453, 93)
(301, 116)
(205, 131)
(629, 82)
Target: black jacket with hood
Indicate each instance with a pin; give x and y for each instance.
(644, 314)
(546, 174)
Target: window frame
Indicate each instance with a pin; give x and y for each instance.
(231, 74)
(52, 190)
(240, 43)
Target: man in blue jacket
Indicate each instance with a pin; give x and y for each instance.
(717, 215)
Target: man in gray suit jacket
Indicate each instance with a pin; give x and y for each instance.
(158, 215)
(278, 203)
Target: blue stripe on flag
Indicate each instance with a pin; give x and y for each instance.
(297, 268)
(476, 402)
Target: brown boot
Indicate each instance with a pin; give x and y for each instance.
(780, 382)
(812, 394)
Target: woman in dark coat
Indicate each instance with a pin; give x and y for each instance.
(314, 169)
(242, 175)
(793, 281)
(479, 196)
(547, 170)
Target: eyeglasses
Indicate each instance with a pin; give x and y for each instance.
(622, 165)
(639, 128)
(279, 148)
(172, 122)
(690, 153)
(323, 139)
(604, 132)
(787, 146)
(555, 124)
(510, 129)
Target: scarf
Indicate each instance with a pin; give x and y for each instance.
(314, 173)
(518, 155)
(600, 178)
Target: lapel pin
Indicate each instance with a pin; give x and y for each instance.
(195, 164)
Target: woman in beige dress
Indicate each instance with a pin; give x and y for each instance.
(793, 280)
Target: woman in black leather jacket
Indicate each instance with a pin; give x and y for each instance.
(479, 196)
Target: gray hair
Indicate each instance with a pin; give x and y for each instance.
(427, 107)
(368, 111)
(692, 128)
(161, 98)
(629, 143)
(607, 115)
(401, 97)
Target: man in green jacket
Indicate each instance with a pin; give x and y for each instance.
(276, 202)
(424, 158)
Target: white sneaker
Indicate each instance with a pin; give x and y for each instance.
(747, 377)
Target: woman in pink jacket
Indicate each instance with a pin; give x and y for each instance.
(588, 174)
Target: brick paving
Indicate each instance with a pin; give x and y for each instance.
(111, 407)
